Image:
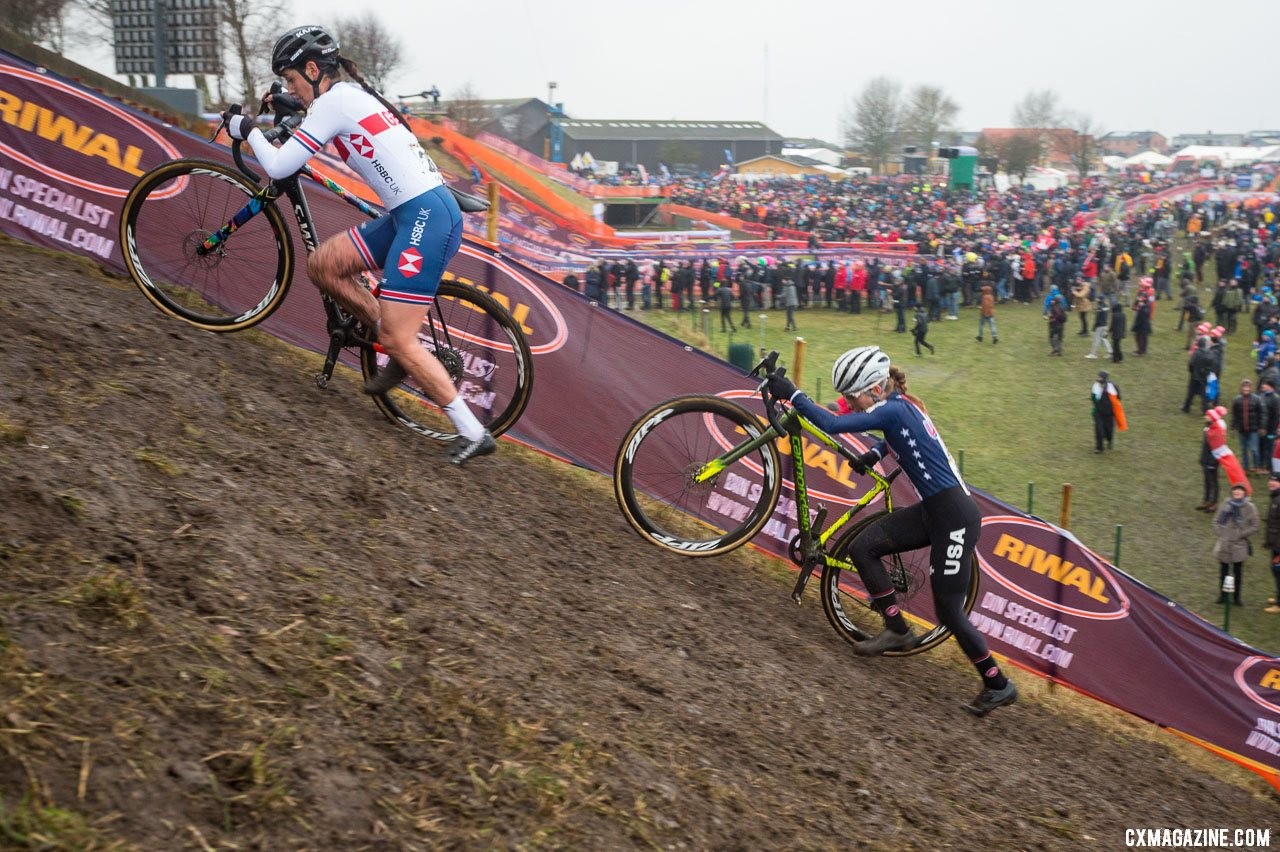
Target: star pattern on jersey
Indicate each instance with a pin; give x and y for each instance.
(410, 262)
(917, 454)
(362, 145)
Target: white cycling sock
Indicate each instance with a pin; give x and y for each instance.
(463, 420)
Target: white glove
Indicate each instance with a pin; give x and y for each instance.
(239, 126)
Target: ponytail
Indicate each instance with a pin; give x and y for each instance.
(898, 382)
(354, 74)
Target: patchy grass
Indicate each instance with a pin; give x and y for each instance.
(35, 826)
(13, 433)
(111, 595)
(154, 458)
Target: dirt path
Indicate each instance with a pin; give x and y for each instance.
(235, 609)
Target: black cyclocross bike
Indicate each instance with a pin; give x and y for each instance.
(207, 244)
(685, 483)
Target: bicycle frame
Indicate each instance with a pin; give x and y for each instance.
(812, 551)
(339, 322)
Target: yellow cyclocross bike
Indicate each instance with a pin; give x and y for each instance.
(685, 483)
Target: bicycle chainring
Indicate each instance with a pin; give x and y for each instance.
(452, 361)
(793, 550)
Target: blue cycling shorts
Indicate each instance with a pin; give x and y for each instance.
(412, 245)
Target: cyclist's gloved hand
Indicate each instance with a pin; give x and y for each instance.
(866, 461)
(781, 387)
(238, 125)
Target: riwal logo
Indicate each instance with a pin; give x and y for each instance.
(1259, 678)
(103, 139)
(1043, 565)
(818, 457)
(538, 317)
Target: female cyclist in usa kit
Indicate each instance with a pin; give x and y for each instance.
(412, 244)
(945, 517)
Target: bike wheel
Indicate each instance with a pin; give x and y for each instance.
(166, 217)
(653, 476)
(847, 604)
(484, 351)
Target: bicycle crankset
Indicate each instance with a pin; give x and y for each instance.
(808, 564)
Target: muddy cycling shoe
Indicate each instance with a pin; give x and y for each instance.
(990, 699)
(463, 451)
(388, 377)
(888, 640)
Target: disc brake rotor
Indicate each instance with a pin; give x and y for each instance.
(452, 361)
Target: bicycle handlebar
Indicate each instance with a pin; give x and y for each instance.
(286, 109)
(768, 368)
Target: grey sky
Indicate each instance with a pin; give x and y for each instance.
(1174, 66)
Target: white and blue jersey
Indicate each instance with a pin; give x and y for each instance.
(368, 137)
(422, 230)
(908, 431)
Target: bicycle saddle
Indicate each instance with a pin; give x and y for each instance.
(469, 203)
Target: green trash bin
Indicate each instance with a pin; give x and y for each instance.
(742, 355)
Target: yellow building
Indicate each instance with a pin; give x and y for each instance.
(775, 165)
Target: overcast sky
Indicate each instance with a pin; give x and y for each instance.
(1175, 66)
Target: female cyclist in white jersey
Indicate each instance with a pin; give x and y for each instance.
(412, 244)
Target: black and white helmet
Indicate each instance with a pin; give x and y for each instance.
(302, 43)
(859, 369)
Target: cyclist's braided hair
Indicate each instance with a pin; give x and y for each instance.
(898, 382)
(354, 73)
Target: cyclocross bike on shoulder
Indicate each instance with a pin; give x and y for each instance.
(683, 484)
(207, 244)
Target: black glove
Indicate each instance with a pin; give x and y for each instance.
(781, 387)
(866, 461)
(238, 126)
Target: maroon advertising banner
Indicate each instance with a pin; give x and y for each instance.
(68, 157)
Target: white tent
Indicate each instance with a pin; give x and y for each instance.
(1228, 156)
(1149, 159)
(1047, 178)
(1113, 162)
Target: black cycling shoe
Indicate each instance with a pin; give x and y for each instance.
(888, 640)
(463, 451)
(387, 378)
(990, 699)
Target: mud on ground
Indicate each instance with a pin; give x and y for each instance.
(237, 611)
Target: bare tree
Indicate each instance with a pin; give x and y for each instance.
(1080, 141)
(1038, 109)
(38, 21)
(249, 30)
(871, 122)
(929, 115)
(467, 110)
(377, 51)
(1019, 153)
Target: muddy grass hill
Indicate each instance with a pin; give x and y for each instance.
(239, 612)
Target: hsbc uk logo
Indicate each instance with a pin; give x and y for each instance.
(419, 225)
(362, 145)
(410, 263)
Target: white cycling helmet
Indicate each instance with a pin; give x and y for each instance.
(859, 369)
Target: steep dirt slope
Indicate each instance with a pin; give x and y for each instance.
(235, 609)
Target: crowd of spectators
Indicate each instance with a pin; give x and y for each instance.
(1027, 245)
